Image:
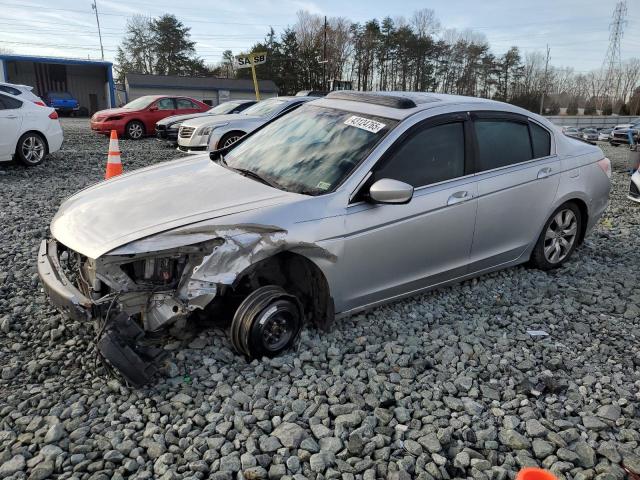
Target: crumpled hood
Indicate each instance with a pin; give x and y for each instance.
(115, 212)
(216, 119)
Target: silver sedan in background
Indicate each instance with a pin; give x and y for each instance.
(348, 202)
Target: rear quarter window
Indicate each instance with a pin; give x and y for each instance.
(8, 103)
(541, 140)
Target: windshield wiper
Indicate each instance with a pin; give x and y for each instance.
(256, 176)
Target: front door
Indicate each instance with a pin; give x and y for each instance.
(10, 122)
(518, 177)
(391, 250)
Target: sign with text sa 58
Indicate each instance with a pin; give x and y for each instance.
(245, 61)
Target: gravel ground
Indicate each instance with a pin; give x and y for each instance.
(442, 385)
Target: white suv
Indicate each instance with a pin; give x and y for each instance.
(28, 131)
(24, 92)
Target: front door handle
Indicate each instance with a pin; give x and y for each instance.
(544, 173)
(459, 197)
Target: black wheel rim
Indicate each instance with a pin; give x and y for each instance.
(277, 326)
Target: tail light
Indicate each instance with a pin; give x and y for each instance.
(53, 115)
(40, 102)
(605, 165)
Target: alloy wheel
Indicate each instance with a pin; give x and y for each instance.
(560, 236)
(230, 141)
(33, 149)
(135, 131)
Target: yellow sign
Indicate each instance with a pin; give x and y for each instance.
(250, 61)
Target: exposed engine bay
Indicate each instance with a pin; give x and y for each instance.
(149, 285)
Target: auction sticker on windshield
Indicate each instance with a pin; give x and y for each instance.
(364, 123)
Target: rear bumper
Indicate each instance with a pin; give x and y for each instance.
(61, 291)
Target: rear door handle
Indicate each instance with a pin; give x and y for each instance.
(11, 116)
(544, 172)
(459, 197)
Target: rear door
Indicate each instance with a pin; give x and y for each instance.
(518, 176)
(392, 250)
(186, 105)
(10, 125)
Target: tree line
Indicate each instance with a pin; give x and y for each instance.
(414, 53)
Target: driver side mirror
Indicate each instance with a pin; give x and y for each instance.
(153, 108)
(388, 191)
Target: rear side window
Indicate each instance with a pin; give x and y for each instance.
(502, 143)
(541, 141)
(431, 155)
(8, 103)
(10, 90)
(185, 103)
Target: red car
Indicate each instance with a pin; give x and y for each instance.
(138, 117)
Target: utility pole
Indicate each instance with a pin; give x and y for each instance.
(324, 56)
(544, 81)
(94, 6)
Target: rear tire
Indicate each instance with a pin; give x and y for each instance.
(134, 130)
(266, 323)
(31, 149)
(559, 237)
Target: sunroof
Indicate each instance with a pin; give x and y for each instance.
(394, 101)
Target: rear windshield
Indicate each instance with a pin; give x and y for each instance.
(61, 95)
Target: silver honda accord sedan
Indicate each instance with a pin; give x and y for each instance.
(348, 202)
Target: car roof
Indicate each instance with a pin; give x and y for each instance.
(400, 105)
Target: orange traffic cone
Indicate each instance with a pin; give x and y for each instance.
(114, 164)
(532, 473)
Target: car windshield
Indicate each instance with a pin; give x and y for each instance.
(265, 108)
(223, 108)
(310, 150)
(61, 95)
(139, 103)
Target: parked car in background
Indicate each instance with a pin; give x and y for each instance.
(571, 132)
(620, 136)
(199, 134)
(24, 92)
(603, 134)
(28, 132)
(345, 203)
(63, 102)
(590, 134)
(167, 128)
(139, 117)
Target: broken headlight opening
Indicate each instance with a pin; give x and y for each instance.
(156, 271)
(140, 295)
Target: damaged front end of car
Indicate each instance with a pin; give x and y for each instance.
(140, 289)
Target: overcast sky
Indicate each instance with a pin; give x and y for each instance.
(577, 31)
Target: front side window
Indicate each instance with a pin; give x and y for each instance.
(502, 143)
(8, 103)
(430, 155)
(186, 104)
(311, 150)
(165, 104)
